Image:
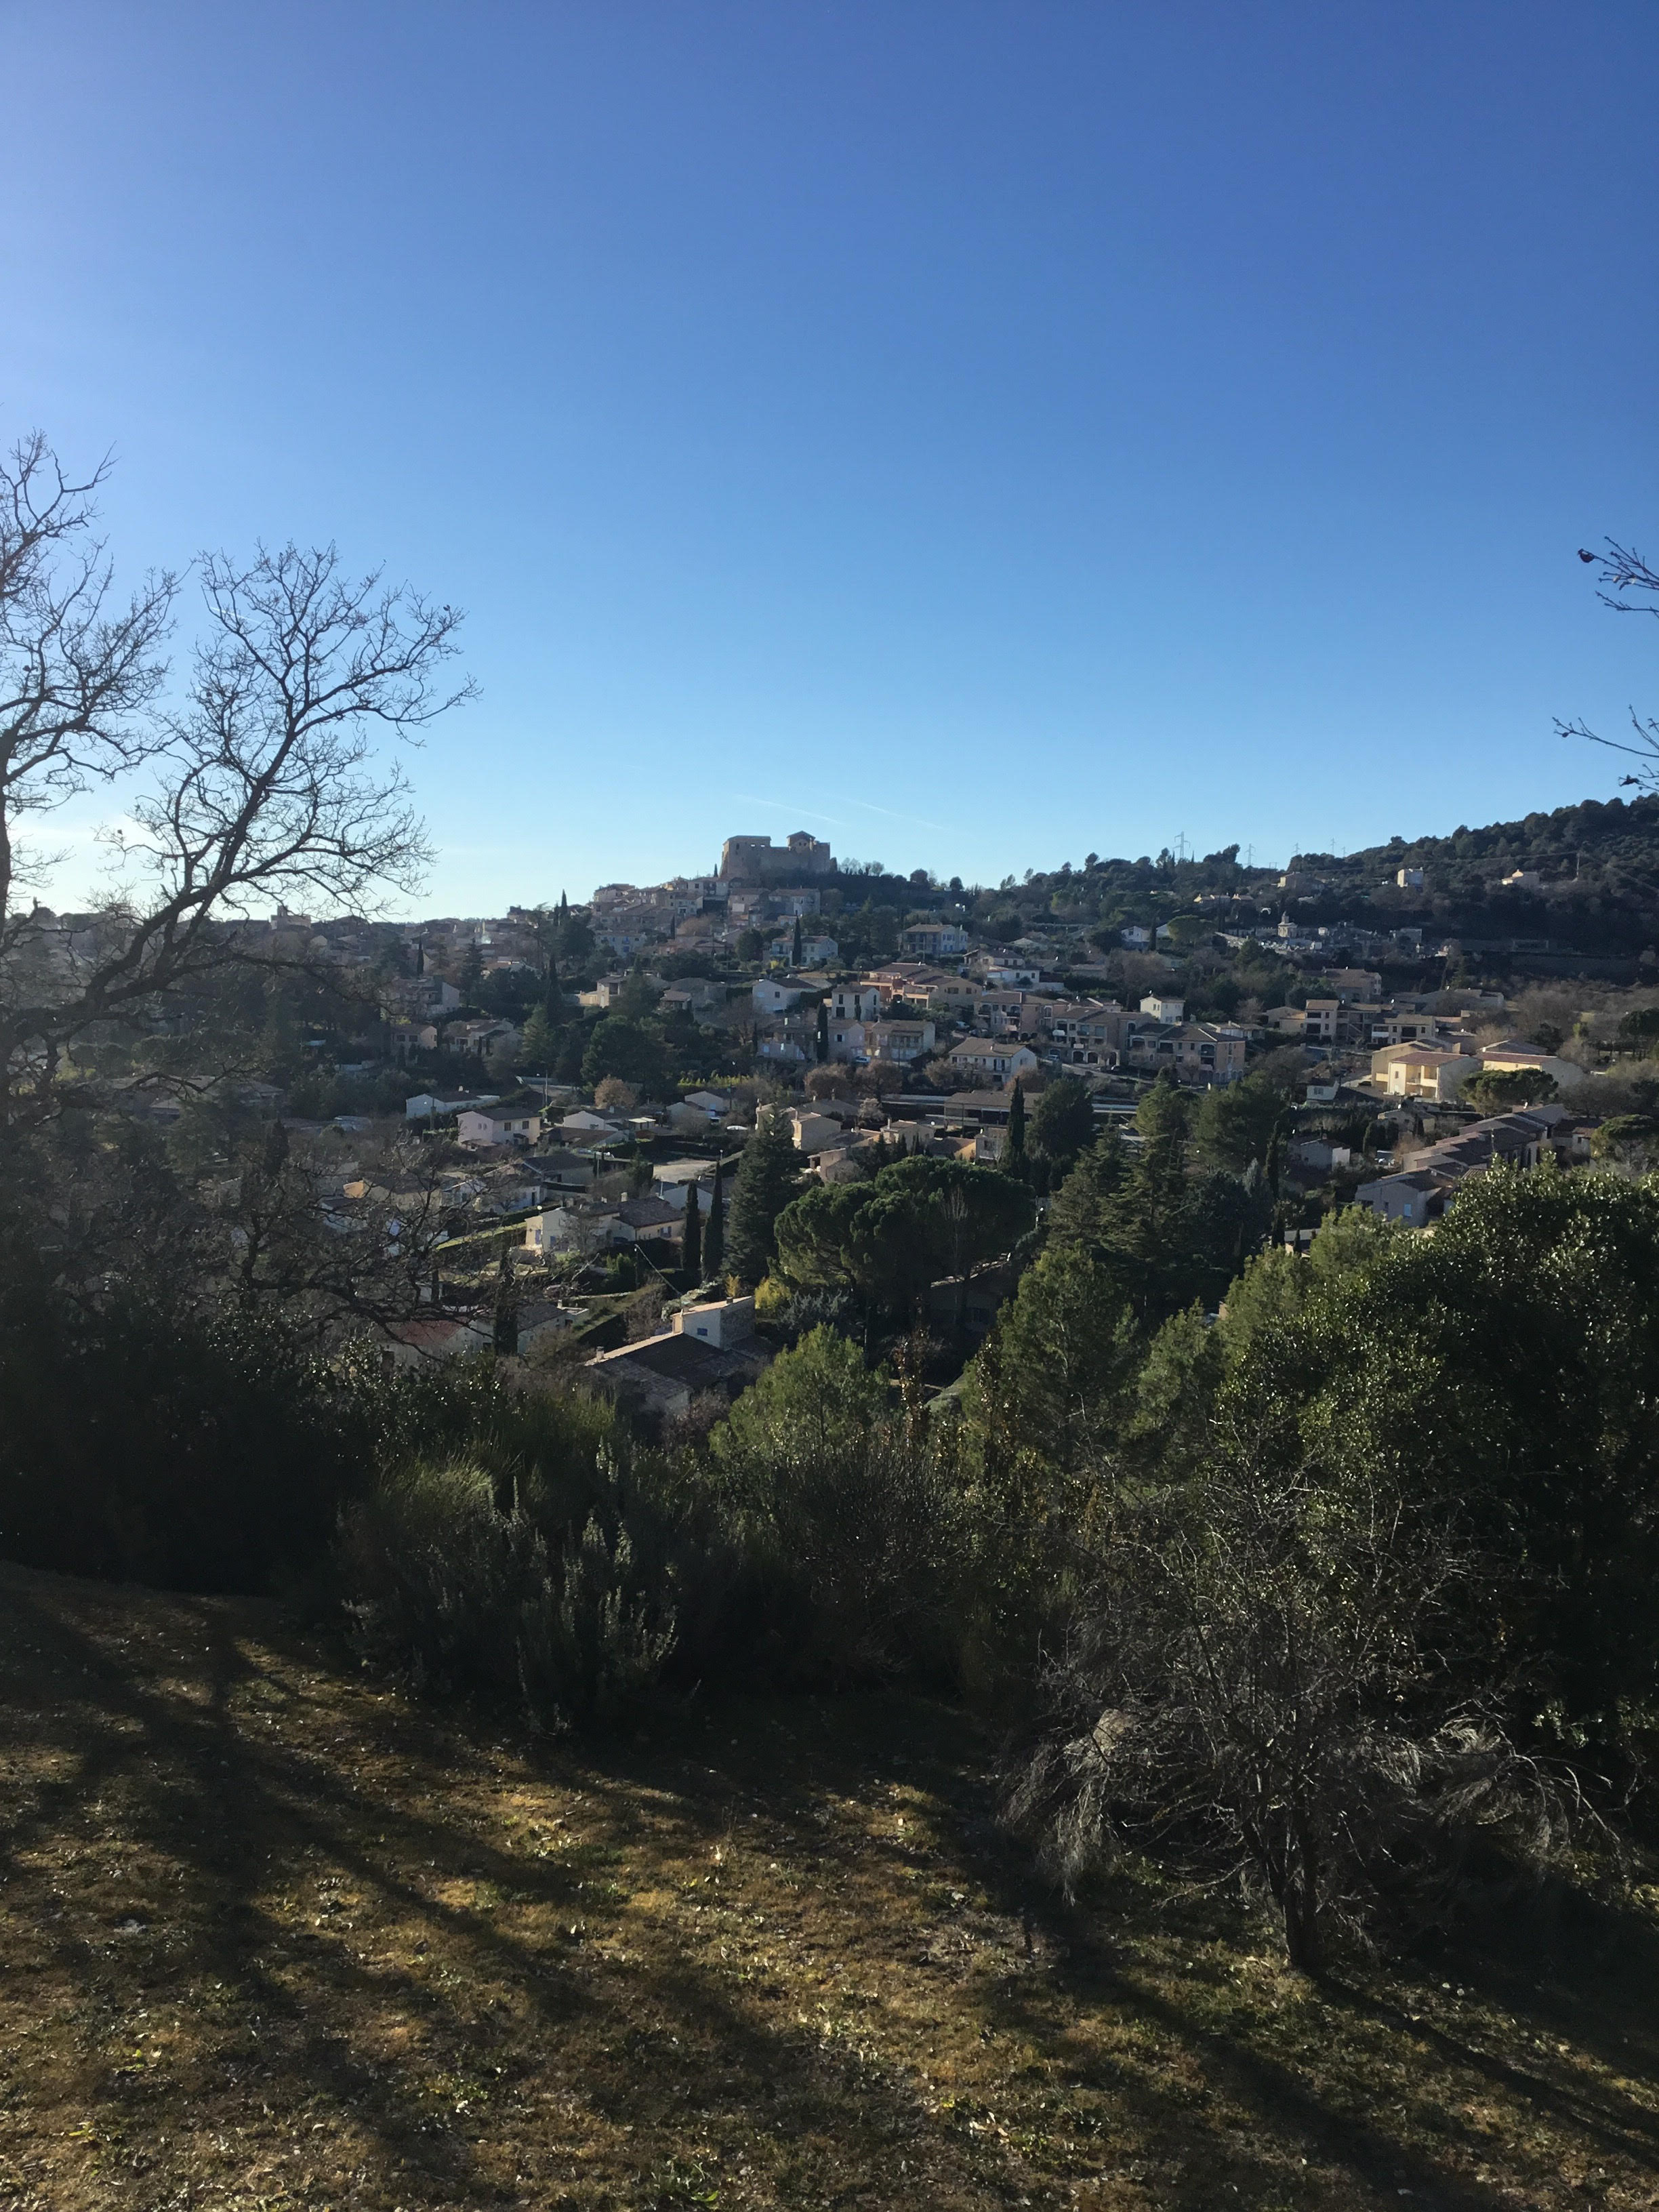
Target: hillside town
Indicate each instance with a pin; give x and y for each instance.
(555, 1093)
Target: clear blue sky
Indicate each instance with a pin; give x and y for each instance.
(980, 434)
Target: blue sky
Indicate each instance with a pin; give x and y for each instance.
(979, 434)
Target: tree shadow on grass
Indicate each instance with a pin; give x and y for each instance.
(369, 1911)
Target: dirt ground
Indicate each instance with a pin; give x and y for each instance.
(273, 1935)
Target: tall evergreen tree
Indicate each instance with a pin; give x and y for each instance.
(823, 1031)
(691, 1237)
(1014, 1159)
(1080, 1213)
(1148, 1217)
(540, 1042)
(713, 1235)
(769, 1177)
(507, 1307)
(795, 944)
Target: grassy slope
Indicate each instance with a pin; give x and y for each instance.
(273, 1936)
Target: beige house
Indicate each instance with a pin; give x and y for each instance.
(1516, 1057)
(1421, 1071)
(814, 1132)
(1196, 1052)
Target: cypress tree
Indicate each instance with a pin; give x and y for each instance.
(795, 945)
(713, 1235)
(507, 1307)
(1014, 1161)
(691, 1237)
(769, 1177)
(823, 1031)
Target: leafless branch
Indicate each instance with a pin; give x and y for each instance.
(1622, 569)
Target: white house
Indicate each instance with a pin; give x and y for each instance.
(721, 1322)
(671, 1180)
(772, 998)
(813, 949)
(499, 1124)
(427, 1105)
(899, 1041)
(1135, 937)
(716, 1105)
(584, 1122)
(1163, 1006)
(855, 1002)
(935, 940)
(568, 1229)
(994, 1059)
(648, 1221)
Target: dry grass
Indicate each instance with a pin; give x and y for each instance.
(274, 1937)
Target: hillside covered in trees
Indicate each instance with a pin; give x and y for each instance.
(1596, 893)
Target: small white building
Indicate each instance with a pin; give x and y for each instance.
(1163, 1006)
(585, 1122)
(674, 1178)
(721, 1322)
(429, 1105)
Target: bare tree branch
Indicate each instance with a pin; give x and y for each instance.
(1622, 569)
(262, 788)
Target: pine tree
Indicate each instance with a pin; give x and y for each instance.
(691, 1237)
(769, 1177)
(1079, 1215)
(713, 1235)
(1148, 1216)
(540, 1041)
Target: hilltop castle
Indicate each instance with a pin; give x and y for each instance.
(804, 859)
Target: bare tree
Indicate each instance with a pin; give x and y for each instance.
(261, 787)
(1623, 570)
(78, 672)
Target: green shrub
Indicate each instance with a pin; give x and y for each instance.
(468, 1597)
